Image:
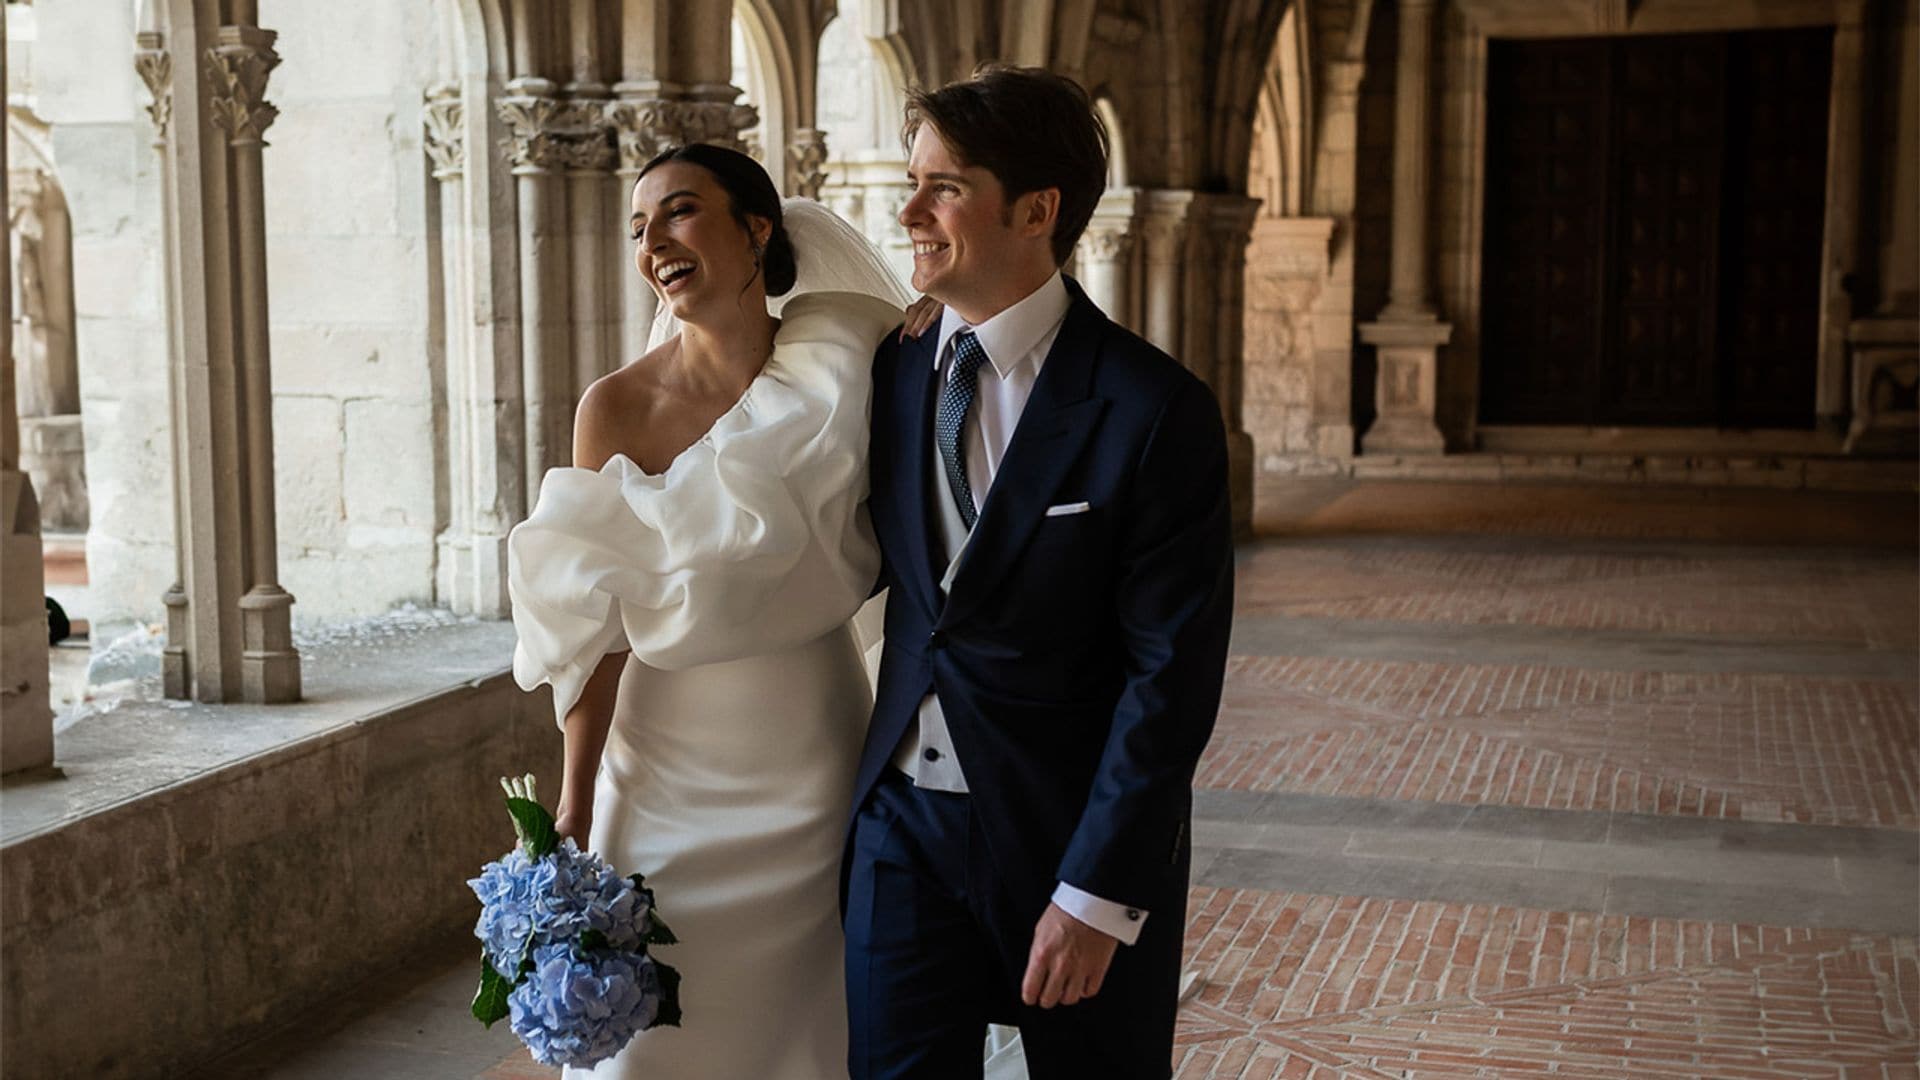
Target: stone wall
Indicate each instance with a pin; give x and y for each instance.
(217, 909)
(348, 278)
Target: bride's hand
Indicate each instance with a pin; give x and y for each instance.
(568, 821)
(921, 315)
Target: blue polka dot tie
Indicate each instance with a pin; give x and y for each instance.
(955, 401)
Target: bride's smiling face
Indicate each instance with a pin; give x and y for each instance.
(688, 245)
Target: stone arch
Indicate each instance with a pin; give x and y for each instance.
(1118, 168)
(40, 232)
(44, 328)
(764, 69)
(1298, 277)
(1279, 168)
(474, 340)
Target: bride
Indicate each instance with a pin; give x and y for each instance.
(686, 588)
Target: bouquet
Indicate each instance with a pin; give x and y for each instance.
(564, 942)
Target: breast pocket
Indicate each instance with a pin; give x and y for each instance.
(1069, 550)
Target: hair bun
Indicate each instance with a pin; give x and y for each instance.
(778, 263)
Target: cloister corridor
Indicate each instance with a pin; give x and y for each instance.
(1510, 781)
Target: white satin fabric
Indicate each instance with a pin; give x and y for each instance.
(728, 771)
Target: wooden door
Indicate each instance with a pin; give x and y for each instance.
(1650, 202)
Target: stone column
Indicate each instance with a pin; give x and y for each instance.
(1840, 244)
(807, 162)
(1165, 228)
(530, 111)
(1194, 263)
(1106, 254)
(155, 66)
(458, 571)
(229, 622)
(638, 136)
(1408, 333)
(1229, 225)
(26, 715)
(238, 66)
(588, 159)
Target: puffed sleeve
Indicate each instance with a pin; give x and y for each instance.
(754, 540)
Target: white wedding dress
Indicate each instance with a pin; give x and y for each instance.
(728, 772)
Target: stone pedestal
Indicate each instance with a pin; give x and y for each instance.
(26, 717)
(1405, 386)
(1886, 382)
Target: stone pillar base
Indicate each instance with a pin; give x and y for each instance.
(176, 674)
(269, 666)
(473, 575)
(26, 714)
(1886, 368)
(1405, 385)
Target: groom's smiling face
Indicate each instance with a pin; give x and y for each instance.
(961, 225)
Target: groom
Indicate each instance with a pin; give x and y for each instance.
(1050, 496)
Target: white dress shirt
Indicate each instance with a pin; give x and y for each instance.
(1016, 342)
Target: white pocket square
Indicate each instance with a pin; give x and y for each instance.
(1064, 509)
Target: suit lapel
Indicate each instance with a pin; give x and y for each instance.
(916, 407)
(1059, 418)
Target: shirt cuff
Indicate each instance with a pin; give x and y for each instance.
(1111, 919)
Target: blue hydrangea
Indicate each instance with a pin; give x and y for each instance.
(527, 902)
(577, 1009)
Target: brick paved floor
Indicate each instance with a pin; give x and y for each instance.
(1516, 782)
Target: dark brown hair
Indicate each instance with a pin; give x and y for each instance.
(751, 191)
(1030, 128)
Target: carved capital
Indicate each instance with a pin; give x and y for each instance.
(583, 136)
(529, 142)
(155, 66)
(1105, 245)
(807, 161)
(446, 137)
(716, 122)
(639, 132)
(644, 127)
(548, 134)
(237, 70)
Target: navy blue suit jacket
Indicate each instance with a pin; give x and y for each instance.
(1079, 657)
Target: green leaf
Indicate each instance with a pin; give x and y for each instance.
(592, 939)
(534, 825)
(669, 996)
(658, 933)
(490, 1002)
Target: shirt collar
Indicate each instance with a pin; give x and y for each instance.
(1010, 336)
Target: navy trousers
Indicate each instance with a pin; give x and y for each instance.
(935, 953)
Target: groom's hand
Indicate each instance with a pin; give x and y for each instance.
(1068, 961)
